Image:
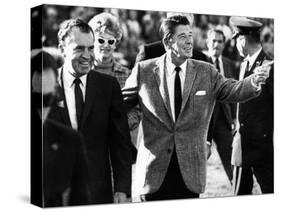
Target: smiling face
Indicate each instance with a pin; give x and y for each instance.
(215, 44)
(78, 51)
(181, 43)
(105, 44)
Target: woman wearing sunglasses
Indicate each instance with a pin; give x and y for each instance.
(108, 33)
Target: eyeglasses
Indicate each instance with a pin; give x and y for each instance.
(110, 41)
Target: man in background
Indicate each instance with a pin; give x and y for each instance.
(223, 121)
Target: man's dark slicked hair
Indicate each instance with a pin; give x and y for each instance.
(167, 28)
(66, 28)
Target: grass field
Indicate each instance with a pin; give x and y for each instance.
(218, 184)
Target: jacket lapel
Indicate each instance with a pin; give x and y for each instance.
(92, 89)
(62, 104)
(160, 77)
(190, 75)
(258, 61)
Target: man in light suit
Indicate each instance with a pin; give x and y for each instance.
(177, 96)
(223, 121)
(255, 116)
(92, 104)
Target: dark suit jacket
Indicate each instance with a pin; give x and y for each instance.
(64, 165)
(228, 109)
(105, 129)
(157, 49)
(256, 121)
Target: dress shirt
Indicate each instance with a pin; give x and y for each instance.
(251, 60)
(70, 95)
(170, 78)
(220, 63)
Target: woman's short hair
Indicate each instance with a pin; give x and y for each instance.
(106, 23)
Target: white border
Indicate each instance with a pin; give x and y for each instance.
(14, 112)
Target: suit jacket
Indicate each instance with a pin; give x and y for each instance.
(228, 109)
(157, 49)
(105, 128)
(65, 165)
(256, 121)
(203, 86)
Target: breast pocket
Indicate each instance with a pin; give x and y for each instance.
(200, 102)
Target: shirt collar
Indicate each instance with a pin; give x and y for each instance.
(171, 67)
(214, 59)
(69, 78)
(253, 58)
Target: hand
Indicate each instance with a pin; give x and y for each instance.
(261, 73)
(120, 197)
(209, 150)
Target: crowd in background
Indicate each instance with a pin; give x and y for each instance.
(141, 27)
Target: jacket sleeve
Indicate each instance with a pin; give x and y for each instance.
(131, 89)
(230, 90)
(121, 147)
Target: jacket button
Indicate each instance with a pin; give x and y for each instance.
(264, 135)
(169, 151)
(242, 125)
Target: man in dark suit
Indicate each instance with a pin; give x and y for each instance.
(64, 158)
(177, 95)
(92, 104)
(255, 116)
(223, 121)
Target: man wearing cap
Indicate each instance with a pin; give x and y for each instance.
(255, 116)
(177, 95)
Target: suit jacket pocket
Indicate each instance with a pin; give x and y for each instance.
(200, 103)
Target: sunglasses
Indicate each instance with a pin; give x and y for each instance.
(110, 41)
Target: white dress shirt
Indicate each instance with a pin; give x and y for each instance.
(70, 95)
(170, 77)
(251, 60)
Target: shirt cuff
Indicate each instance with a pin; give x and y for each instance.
(258, 87)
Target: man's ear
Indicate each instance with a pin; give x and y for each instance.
(167, 42)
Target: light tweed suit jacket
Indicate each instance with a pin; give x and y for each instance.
(203, 85)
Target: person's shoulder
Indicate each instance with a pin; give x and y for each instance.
(200, 63)
(100, 76)
(156, 44)
(118, 67)
(201, 66)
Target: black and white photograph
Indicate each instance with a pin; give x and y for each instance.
(139, 107)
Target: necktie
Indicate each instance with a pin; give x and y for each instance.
(217, 64)
(78, 101)
(247, 69)
(178, 96)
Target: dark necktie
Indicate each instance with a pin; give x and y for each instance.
(178, 96)
(247, 69)
(78, 101)
(217, 64)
